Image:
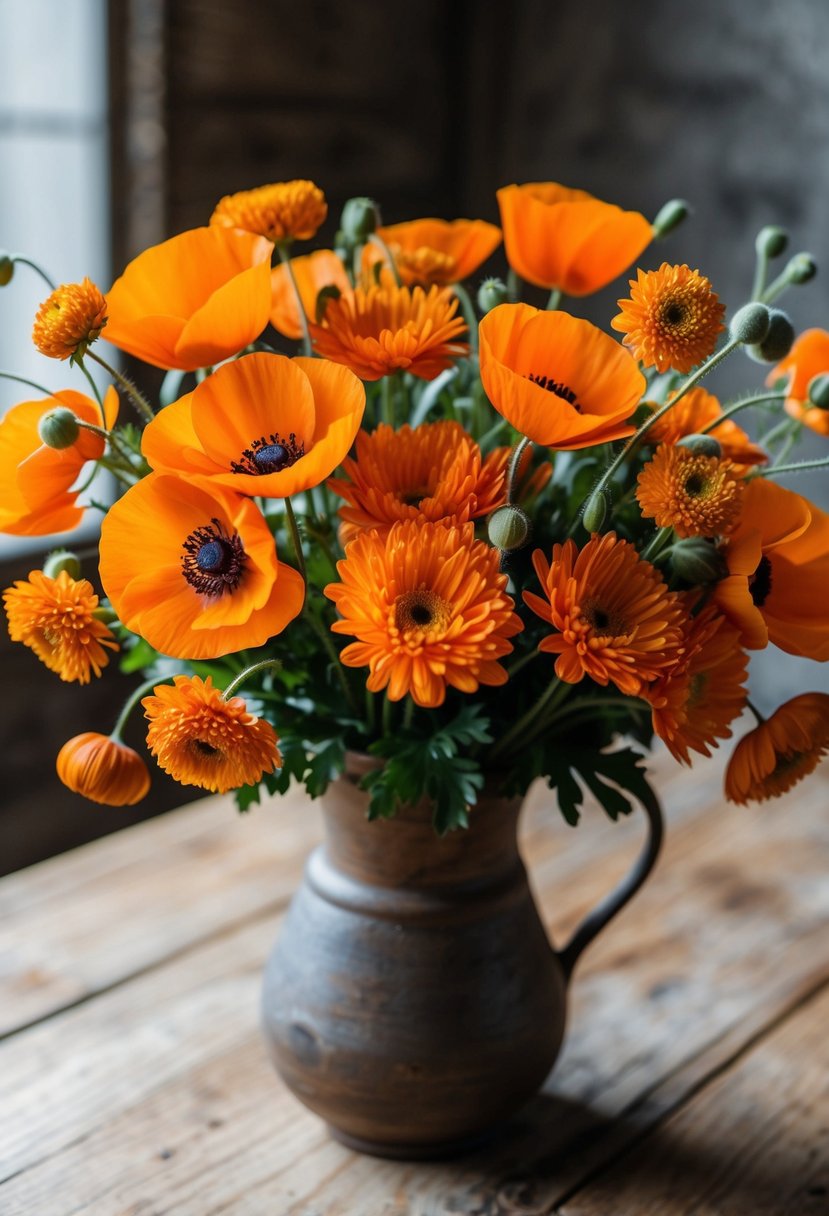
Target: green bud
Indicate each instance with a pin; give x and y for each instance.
(771, 241)
(491, 293)
(330, 292)
(6, 269)
(750, 324)
(777, 342)
(595, 511)
(819, 391)
(508, 528)
(58, 428)
(62, 559)
(670, 216)
(801, 268)
(701, 445)
(697, 561)
(360, 217)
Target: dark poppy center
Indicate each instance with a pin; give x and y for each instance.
(215, 556)
(272, 459)
(214, 559)
(269, 454)
(558, 388)
(759, 584)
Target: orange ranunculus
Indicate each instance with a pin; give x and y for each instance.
(263, 424)
(280, 211)
(557, 379)
(809, 357)
(431, 251)
(192, 567)
(312, 273)
(194, 300)
(36, 495)
(694, 412)
(103, 769)
(69, 320)
(566, 239)
(694, 494)
(777, 585)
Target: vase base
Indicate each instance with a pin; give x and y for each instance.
(401, 1151)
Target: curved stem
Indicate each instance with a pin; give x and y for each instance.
(131, 702)
(31, 383)
(554, 300)
(377, 240)
(470, 316)
(515, 461)
(237, 681)
(285, 259)
(741, 405)
(656, 544)
(135, 395)
(297, 540)
(38, 270)
(799, 466)
(548, 698)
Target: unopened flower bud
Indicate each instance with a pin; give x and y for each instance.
(750, 324)
(62, 559)
(58, 428)
(701, 445)
(6, 269)
(508, 528)
(771, 241)
(819, 391)
(801, 268)
(595, 510)
(777, 342)
(360, 217)
(491, 293)
(697, 561)
(670, 216)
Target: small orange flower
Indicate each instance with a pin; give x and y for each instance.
(695, 495)
(695, 411)
(55, 617)
(431, 251)
(566, 239)
(777, 585)
(781, 751)
(697, 699)
(192, 568)
(194, 300)
(201, 739)
(557, 379)
(103, 769)
(616, 619)
(434, 471)
(281, 211)
(672, 319)
(262, 425)
(70, 320)
(809, 357)
(36, 494)
(428, 606)
(312, 273)
(382, 330)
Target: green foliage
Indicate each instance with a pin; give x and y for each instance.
(613, 777)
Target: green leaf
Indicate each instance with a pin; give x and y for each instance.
(326, 764)
(141, 655)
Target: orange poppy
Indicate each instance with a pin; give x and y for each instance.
(777, 585)
(672, 319)
(103, 770)
(557, 379)
(695, 411)
(263, 424)
(615, 618)
(194, 300)
(566, 239)
(280, 211)
(381, 330)
(70, 320)
(55, 617)
(312, 273)
(192, 568)
(36, 495)
(428, 606)
(809, 357)
(780, 751)
(693, 494)
(431, 251)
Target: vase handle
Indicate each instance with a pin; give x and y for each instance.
(601, 915)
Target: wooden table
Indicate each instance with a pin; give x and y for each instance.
(695, 1077)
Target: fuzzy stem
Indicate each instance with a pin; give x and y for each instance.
(135, 395)
(131, 702)
(296, 538)
(741, 405)
(237, 681)
(799, 466)
(285, 259)
(515, 461)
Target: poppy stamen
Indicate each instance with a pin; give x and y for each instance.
(555, 386)
(269, 454)
(213, 560)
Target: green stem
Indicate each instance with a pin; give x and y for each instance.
(470, 316)
(515, 461)
(377, 240)
(782, 428)
(285, 259)
(554, 300)
(521, 663)
(386, 400)
(741, 405)
(96, 392)
(776, 287)
(237, 681)
(38, 270)
(549, 697)
(631, 704)
(131, 702)
(31, 383)
(755, 711)
(385, 724)
(513, 286)
(296, 538)
(786, 447)
(408, 713)
(760, 271)
(135, 395)
(799, 466)
(656, 544)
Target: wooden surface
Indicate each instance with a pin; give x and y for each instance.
(694, 1078)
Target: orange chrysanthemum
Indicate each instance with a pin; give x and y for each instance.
(695, 411)
(695, 495)
(263, 425)
(194, 300)
(55, 617)
(382, 330)
(428, 606)
(281, 211)
(434, 471)
(557, 379)
(777, 585)
(201, 739)
(809, 357)
(36, 482)
(431, 251)
(780, 751)
(103, 769)
(616, 619)
(192, 568)
(312, 273)
(70, 320)
(566, 239)
(672, 319)
(695, 701)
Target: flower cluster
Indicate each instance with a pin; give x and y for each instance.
(486, 526)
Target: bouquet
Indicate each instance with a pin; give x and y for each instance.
(471, 537)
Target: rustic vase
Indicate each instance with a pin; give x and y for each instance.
(413, 999)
